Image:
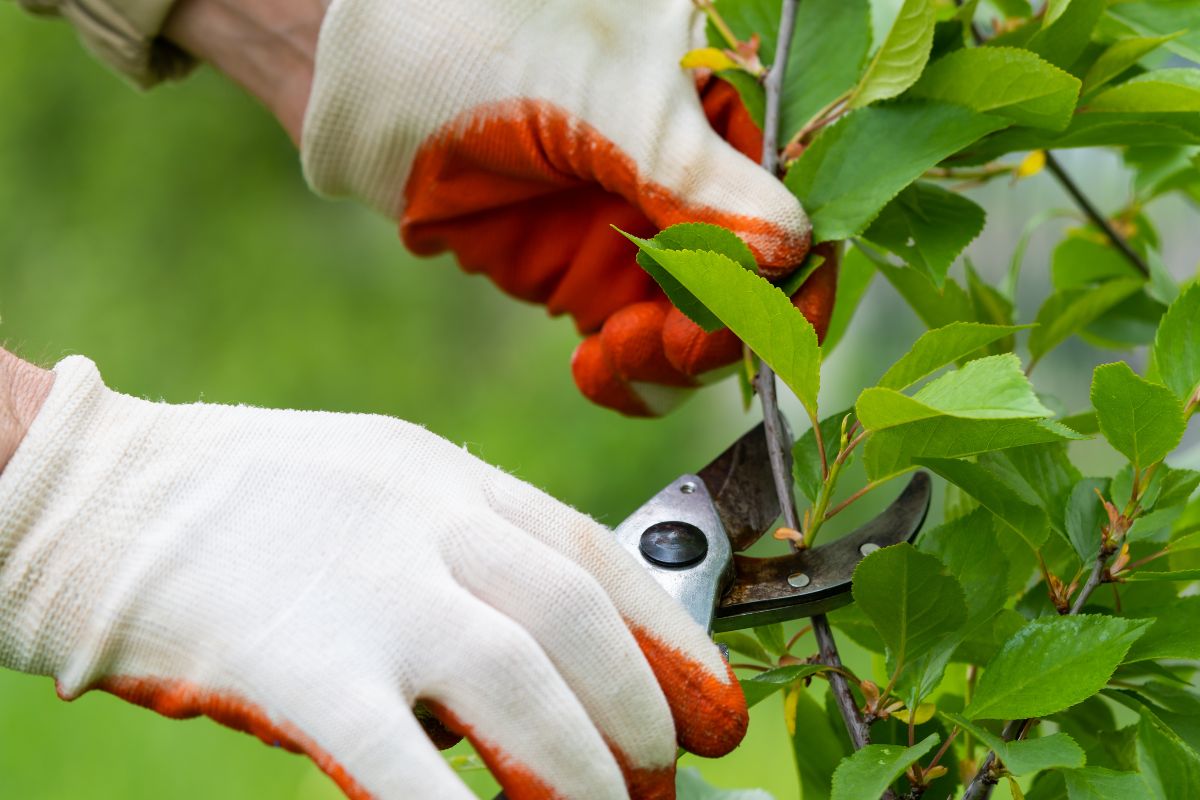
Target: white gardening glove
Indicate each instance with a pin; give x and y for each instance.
(516, 133)
(308, 577)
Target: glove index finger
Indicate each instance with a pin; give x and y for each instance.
(705, 699)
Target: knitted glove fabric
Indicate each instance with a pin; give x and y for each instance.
(516, 133)
(308, 577)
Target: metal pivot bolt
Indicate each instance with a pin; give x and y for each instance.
(798, 580)
(673, 544)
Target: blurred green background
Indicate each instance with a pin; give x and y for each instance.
(169, 236)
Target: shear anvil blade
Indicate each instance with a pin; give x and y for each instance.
(816, 581)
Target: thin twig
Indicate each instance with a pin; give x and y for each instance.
(840, 507)
(981, 785)
(942, 750)
(796, 638)
(1094, 580)
(1100, 221)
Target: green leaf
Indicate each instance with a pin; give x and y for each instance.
(1177, 487)
(743, 643)
(1051, 664)
(1142, 420)
(1028, 521)
(1056, 751)
(993, 387)
(1067, 311)
(870, 771)
(1163, 287)
(828, 49)
(1120, 56)
(1081, 260)
(899, 61)
(765, 684)
(935, 307)
(818, 746)
(1144, 576)
(1174, 634)
(968, 548)
(792, 283)
(1066, 29)
(1013, 8)
(690, 785)
(1092, 130)
(1043, 472)
(1098, 783)
(1162, 17)
(1005, 81)
(1130, 323)
(806, 459)
(928, 227)
(702, 236)
(939, 347)
(858, 164)
(991, 307)
(891, 451)
(1025, 757)
(1170, 90)
(772, 638)
(987, 388)
(1169, 766)
(1084, 518)
(691, 236)
(1154, 526)
(757, 312)
(1177, 344)
(855, 274)
(909, 598)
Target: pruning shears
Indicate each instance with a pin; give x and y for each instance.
(691, 536)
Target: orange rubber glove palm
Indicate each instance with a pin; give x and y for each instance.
(516, 134)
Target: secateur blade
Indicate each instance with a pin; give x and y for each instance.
(689, 537)
(817, 580)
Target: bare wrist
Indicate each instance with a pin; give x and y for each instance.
(268, 47)
(23, 390)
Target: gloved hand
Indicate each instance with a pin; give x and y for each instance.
(307, 577)
(516, 133)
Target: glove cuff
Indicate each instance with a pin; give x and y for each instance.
(47, 576)
(124, 34)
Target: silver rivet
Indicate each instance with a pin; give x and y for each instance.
(798, 580)
(868, 548)
(687, 488)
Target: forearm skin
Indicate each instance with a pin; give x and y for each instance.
(23, 389)
(266, 47)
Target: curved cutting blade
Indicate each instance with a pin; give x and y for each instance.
(816, 581)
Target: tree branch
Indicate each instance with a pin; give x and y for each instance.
(1081, 199)
(773, 85)
(1097, 218)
